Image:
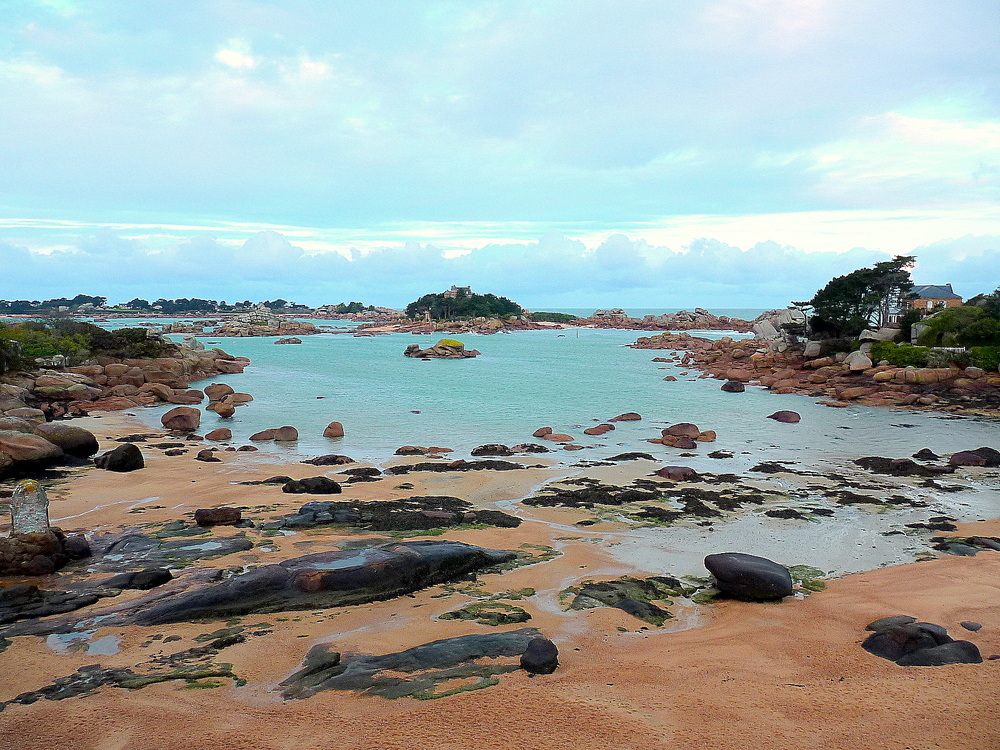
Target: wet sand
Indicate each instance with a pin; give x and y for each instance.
(729, 675)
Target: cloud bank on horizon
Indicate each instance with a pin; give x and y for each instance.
(562, 153)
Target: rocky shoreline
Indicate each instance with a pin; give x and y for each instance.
(837, 380)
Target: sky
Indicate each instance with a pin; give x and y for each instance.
(634, 153)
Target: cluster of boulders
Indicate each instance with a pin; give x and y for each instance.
(28, 445)
(113, 384)
(838, 379)
(40, 553)
(684, 435)
(264, 323)
(900, 638)
(443, 349)
(223, 399)
(683, 320)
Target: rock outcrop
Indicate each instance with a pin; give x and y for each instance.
(443, 349)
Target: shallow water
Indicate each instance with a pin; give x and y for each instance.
(566, 380)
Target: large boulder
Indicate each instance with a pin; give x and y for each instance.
(749, 577)
(182, 419)
(733, 386)
(74, 441)
(683, 429)
(334, 430)
(857, 361)
(126, 457)
(24, 450)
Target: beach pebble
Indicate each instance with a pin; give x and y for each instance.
(970, 625)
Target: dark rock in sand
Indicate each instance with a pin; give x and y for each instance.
(491, 464)
(749, 577)
(900, 467)
(955, 652)
(330, 459)
(631, 457)
(217, 516)
(408, 514)
(893, 642)
(985, 541)
(24, 602)
(142, 580)
(126, 457)
(129, 550)
(529, 448)
(972, 626)
(885, 623)
(415, 671)
(540, 657)
(312, 486)
(492, 449)
(208, 456)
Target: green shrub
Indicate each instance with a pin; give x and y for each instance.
(959, 326)
(553, 317)
(942, 358)
(899, 355)
(76, 341)
(986, 357)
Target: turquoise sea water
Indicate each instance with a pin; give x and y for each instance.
(567, 380)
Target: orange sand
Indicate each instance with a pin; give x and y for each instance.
(729, 676)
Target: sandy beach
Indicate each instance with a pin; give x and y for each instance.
(729, 675)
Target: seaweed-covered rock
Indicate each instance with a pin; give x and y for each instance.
(143, 580)
(408, 514)
(312, 486)
(416, 671)
(749, 577)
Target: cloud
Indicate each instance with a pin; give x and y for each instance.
(552, 271)
(348, 114)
